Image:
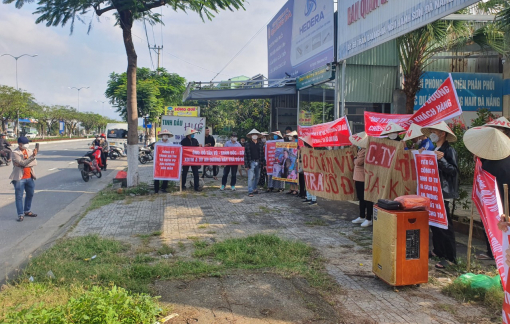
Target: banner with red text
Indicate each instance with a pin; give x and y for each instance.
(429, 186)
(198, 156)
(389, 170)
(167, 161)
(270, 153)
(334, 133)
(442, 105)
(328, 174)
(285, 162)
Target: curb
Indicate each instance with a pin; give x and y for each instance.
(65, 141)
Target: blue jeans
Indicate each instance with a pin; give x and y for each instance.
(24, 185)
(253, 176)
(311, 197)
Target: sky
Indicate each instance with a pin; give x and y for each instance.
(191, 48)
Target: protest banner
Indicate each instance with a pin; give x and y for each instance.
(429, 186)
(389, 170)
(179, 125)
(328, 174)
(442, 105)
(334, 133)
(270, 152)
(167, 161)
(285, 163)
(198, 156)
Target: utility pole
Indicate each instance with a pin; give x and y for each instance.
(157, 49)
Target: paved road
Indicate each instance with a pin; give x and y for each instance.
(60, 194)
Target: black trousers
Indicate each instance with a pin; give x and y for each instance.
(104, 156)
(233, 177)
(164, 185)
(365, 207)
(302, 185)
(196, 178)
(443, 240)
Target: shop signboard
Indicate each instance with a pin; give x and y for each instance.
(183, 111)
(317, 76)
(475, 90)
(364, 24)
(300, 38)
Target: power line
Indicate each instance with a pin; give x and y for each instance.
(162, 62)
(148, 44)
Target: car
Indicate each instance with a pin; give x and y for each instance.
(30, 135)
(10, 133)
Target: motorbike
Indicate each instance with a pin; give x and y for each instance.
(88, 166)
(116, 152)
(146, 154)
(3, 157)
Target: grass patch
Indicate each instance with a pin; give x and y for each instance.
(316, 222)
(491, 298)
(165, 249)
(203, 226)
(181, 246)
(200, 244)
(145, 238)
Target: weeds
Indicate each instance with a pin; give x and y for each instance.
(316, 222)
(491, 298)
(165, 249)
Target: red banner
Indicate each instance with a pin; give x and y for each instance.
(167, 162)
(270, 155)
(198, 156)
(429, 186)
(335, 133)
(442, 105)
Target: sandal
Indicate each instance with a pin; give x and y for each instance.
(294, 193)
(20, 218)
(250, 195)
(281, 190)
(483, 256)
(289, 192)
(30, 214)
(269, 190)
(443, 264)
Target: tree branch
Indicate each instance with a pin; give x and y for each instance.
(99, 12)
(156, 4)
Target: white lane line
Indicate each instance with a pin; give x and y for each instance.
(71, 162)
(52, 169)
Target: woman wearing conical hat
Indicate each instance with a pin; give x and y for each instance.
(366, 208)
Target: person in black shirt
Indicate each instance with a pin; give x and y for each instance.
(254, 160)
(210, 142)
(190, 140)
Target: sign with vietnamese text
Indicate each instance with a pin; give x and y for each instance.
(167, 161)
(183, 111)
(179, 125)
(198, 156)
(270, 152)
(334, 133)
(317, 76)
(285, 163)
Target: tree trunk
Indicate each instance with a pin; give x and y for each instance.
(126, 22)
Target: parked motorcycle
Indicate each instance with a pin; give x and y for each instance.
(3, 158)
(88, 166)
(116, 152)
(146, 154)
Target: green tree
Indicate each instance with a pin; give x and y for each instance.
(13, 101)
(61, 12)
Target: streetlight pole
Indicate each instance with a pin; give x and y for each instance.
(78, 102)
(17, 88)
(102, 107)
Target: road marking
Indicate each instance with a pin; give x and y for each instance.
(52, 169)
(72, 162)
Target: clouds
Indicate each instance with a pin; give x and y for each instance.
(87, 60)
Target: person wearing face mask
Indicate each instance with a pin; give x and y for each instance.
(294, 188)
(254, 160)
(23, 176)
(287, 137)
(392, 130)
(263, 171)
(233, 178)
(443, 240)
(165, 136)
(366, 207)
(210, 142)
(190, 140)
(419, 140)
(273, 185)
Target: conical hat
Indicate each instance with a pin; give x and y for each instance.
(165, 132)
(487, 142)
(392, 128)
(307, 139)
(254, 132)
(413, 132)
(278, 133)
(360, 139)
(190, 131)
(293, 133)
(500, 122)
(264, 134)
(450, 136)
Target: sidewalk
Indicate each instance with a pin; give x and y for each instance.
(214, 215)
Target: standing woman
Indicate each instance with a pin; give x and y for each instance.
(294, 187)
(104, 151)
(275, 184)
(310, 199)
(366, 208)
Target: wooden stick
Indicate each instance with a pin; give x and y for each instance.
(505, 199)
(470, 239)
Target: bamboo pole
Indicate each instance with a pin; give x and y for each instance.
(505, 199)
(470, 239)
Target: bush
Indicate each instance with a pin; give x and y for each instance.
(99, 305)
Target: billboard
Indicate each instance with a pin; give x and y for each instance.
(363, 24)
(300, 38)
(475, 90)
(179, 125)
(183, 111)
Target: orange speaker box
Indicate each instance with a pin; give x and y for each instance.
(401, 246)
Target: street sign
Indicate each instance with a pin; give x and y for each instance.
(317, 76)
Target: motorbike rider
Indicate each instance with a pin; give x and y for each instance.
(5, 147)
(97, 141)
(165, 136)
(97, 154)
(104, 151)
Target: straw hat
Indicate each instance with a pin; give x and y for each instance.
(450, 136)
(307, 139)
(413, 132)
(293, 133)
(190, 131)
(392, 128)
(360, 139)
(278, 133)
(254, 132)
(264, 134)
(500, 122)
(165, 132)
(487, 142)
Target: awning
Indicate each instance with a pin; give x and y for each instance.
(239, 94)
(28, 120)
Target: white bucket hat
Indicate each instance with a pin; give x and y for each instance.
(392, 128)
(165, 132)
(190, 131)
(360, 139)
(487, 142)
(413, 132)
(450, 136)
(500, 122)
(254, 132)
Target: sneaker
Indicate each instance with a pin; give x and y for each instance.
(306, 201)
(366, 223)
(233, 188)
(222, 187)
(164, 190)
(358, 220)
(312, 203)
(198, 190)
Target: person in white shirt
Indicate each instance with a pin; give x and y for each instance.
(231, 143)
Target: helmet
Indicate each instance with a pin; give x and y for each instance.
(103, 135)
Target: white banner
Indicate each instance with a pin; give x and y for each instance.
(179, 125)
(363, 24)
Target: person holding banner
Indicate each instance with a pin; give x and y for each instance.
(275, 184)
(232, 143)
(366, 208)
(190, 140)
(392, 130)
(310, 199)
(292, 137)
(254, 160)
(165, 137)
(443, 240)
